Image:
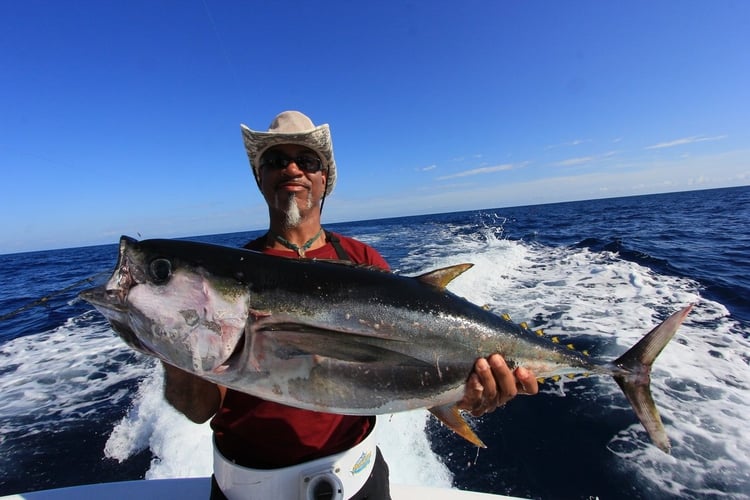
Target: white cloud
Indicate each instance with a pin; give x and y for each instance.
(478, 171)
(685, 140)
(575, 142)
(571, 162)
(574, 161)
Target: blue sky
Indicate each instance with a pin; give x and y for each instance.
(122, 117)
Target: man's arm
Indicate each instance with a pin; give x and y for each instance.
(196, 398)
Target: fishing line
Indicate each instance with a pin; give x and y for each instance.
(44, 300)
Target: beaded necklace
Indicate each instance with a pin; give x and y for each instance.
(299, 249)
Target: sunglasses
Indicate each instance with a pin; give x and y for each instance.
(308, 163)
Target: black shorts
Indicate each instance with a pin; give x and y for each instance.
(377, 486)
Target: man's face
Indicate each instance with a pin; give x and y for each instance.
(290, 181)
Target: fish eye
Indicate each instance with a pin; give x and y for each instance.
(161, 270)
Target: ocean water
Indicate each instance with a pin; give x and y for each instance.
(77, 406)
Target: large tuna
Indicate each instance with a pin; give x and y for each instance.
(334, 337)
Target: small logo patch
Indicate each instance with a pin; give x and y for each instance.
(362, 462)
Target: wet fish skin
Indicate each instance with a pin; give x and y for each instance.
(334, 337)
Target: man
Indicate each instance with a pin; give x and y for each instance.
(271, 445)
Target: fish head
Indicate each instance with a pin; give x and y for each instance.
(162, 301)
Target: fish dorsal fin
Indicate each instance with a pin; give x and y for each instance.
(440, 278)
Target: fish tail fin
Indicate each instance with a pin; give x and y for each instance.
(451, 416)
(635, 377)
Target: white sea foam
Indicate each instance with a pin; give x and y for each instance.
(180, 447)
(63, 375)
(406, 448)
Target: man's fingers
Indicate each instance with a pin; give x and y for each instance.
(506, 381)
(473, 400)
(486, 370)
(526, 381)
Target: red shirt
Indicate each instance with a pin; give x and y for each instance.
(263, 434)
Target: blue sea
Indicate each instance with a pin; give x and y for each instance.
(77, 406)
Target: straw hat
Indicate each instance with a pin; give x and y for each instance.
(291, 127)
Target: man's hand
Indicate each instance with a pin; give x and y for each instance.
(492, 384)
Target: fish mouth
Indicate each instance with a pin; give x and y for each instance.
(110, 299)
(111, 303)
(112, 296)
(102, 298)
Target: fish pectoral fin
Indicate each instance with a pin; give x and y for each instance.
(350, 348)
(440, 278)
(451, 416)
(349, 263)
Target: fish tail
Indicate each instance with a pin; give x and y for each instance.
(634, 378)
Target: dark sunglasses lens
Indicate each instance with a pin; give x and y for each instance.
(276, 160)
(272, 159)
(308, 163)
